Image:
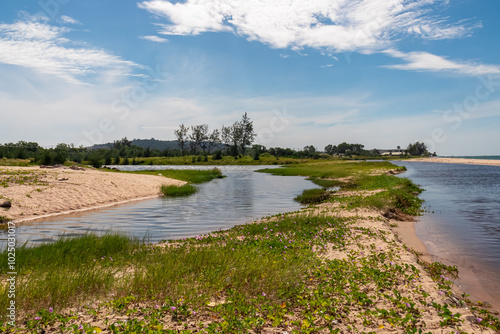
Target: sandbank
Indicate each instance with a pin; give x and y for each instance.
(38, 192)
(459, 161)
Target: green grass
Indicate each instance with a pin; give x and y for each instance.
(312, 196)
(177, 191)
(397, 193)
(192, 176)
(16, 162)
(226, 160)
(246, 279)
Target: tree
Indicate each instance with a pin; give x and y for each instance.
(198, 137)
(181, 136)
(225, 136)
(417, 149)
(247, 133)
(213, 140)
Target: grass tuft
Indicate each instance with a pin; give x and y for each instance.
(311, 196)
(177, 191)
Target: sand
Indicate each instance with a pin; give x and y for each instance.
(459, 161)
(47, 192)
(57, 191)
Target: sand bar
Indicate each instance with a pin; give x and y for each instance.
(459, 161)
(46, 192)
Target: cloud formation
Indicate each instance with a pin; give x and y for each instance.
(69, 20)
(34, 44)
(155, 39)
(337, 25)
(424, 61)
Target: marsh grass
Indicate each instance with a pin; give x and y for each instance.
(311, 196)
(397, 193)
(248, 259)
(192, 176)
(225, 160)
(178, 191)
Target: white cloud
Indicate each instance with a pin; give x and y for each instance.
(69, 20)
(155, 39)
(424, 61)
(337, 25)
(36, 45)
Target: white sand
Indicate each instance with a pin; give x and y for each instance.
(459, 161)
(65, 190)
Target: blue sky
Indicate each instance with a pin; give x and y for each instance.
(376, 72)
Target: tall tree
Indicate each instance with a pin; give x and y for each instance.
(225, 136)
(199, 135)
(182, 136)
(247, 133)
(213, 140)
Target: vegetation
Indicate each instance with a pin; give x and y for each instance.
(295, 272)
(393, 195)
(177, 191)
(192, 176)
(311, 196)
(252, 277)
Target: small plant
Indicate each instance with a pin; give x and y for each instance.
(311, 196)
(177, 191)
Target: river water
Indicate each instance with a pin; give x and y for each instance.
(463, 227)
(242, 196)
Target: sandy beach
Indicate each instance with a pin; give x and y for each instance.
(57, 191)
(459, 161)
(38, 192)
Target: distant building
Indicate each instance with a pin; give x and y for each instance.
(392, 151)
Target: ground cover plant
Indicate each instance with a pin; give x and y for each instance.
(382, 190)
(302, 272)
(255, 277)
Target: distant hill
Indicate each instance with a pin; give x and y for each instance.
(145, 143)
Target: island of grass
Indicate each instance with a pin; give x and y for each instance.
(189, 176)
(323, 270)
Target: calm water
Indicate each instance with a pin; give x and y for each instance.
(464, 226)
(220, 204)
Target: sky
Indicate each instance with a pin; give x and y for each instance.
(382, 73)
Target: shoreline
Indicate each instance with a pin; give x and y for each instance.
(37, 193)
(483, 162)
(370, 235)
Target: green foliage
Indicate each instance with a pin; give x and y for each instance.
(177, 191)
(311, 196)
(188, 175)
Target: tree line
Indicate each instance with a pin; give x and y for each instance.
(233, 139)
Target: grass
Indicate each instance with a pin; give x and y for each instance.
(250, 278)
(15, 162)
(393, 193)
(246, 279)
(311, 196)
(191, 176)
(226, 160)
(177, 191)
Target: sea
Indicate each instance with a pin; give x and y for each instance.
(461, 225)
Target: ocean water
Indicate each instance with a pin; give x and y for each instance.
(463, 227)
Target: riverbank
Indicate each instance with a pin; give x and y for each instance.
(42, 192)
(458, 161)
(333, 267)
